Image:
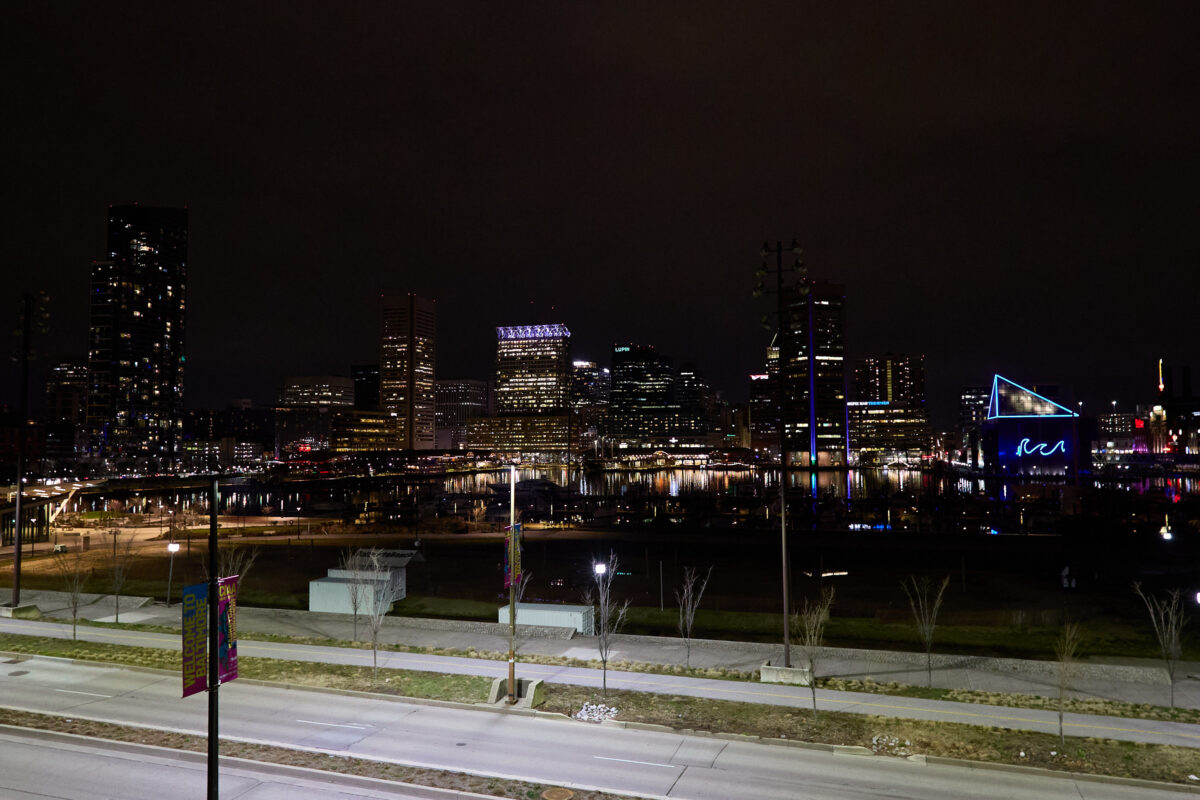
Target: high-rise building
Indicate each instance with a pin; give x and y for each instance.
(591, 386)
(642, 409)
(407, 382)
(972, 412)
(895, 377)
(812, 369)
(458, 402)
(317, 390)
(888, 420)
(532, 369)
(532, 417)
(136, 339)
(66, 392)
(366, 386)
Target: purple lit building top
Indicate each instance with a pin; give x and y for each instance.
(555, 331)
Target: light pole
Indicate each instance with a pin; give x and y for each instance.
(172, 548)
(780, 394)
(512, 584)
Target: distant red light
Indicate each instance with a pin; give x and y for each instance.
(1139, 423)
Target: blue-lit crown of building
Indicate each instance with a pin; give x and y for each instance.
(1010, 399)
(533, 332)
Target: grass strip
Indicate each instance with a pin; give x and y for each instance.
(882, 735)
(346, 765)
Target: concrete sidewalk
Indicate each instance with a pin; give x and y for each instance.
(1129, 680)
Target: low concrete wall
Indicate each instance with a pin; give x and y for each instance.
(796, 676)
(485, 628)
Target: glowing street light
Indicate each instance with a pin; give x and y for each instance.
(172, 548)
(599, 568)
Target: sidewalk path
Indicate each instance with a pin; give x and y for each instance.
(1150, 731)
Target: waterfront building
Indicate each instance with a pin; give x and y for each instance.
(366, 386)
(888, 421)
(1026, 433)
(972, 411)
(591, 386)
(136, 337)
(355, 431)
(813, 374)
(530, 399)
(407, 380)
(459, 401)
(317, 390)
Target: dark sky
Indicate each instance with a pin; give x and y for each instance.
(1004, 187)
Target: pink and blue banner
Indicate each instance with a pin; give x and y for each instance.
(195, 635)
(195, 639)
(227, 668)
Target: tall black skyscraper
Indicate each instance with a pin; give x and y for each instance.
(136, 341)
(811, 358)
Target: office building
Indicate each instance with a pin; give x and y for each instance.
(317, 390)
(812, 370)
(591, 386)
(532, 416)
(888, 421)
(458, 402)
(366, 386)
(972, 412)
(532, 369)
(407, 381)
(137, 336)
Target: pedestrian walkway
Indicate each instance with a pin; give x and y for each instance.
(1127, 680)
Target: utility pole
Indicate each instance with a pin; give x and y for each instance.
(214, 666)
(30, 307)
(780, 396)
(512, 584)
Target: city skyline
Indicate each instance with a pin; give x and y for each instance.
(1007, 190)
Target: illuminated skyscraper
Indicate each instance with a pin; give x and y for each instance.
(888, 420)
(532, 369)
(136, 337)
(533, 374)
(458, 401)
(407, 384)
(812, 368)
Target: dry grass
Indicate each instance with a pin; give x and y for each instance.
(1088, 705)
(891, 736)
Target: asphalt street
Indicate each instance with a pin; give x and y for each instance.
(1120, 728)
(548, 751)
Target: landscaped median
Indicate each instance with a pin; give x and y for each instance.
(879, 735)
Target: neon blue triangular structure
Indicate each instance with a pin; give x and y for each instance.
(1011, 399)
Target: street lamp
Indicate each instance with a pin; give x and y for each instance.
(172, 548)
(599, 568)
(780, 363)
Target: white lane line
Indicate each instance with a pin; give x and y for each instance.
(643, 763)
(89, 694)
(334, 724)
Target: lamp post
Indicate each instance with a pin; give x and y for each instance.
(512, 584)
(172, 548)
(780, 393)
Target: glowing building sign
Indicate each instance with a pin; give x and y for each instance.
(1010, 399)
(533, 332)
(1024, 448)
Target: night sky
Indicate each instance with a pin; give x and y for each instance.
(1006, 187)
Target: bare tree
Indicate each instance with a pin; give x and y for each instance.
(75, 572)
(118, 568)
(925, 604)
(1168, 619)
(808, 625)
(1066, 650)
(610, 617)
(383, 594)
(689, 596)
(353, 561)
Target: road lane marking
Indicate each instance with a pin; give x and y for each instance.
(89, 694)
(643, 763)
(334, 724)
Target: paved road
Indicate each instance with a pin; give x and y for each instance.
(1150, 731)
(547, 751)
(37, 765)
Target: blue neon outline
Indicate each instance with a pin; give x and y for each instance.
(994, 402)
(1023, 448)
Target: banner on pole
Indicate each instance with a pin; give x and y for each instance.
(512, 557)
(195, 639)
(227, 629)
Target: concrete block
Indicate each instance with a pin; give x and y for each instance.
(795, 676)
(21, 612)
